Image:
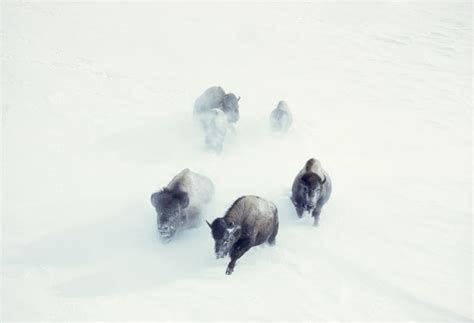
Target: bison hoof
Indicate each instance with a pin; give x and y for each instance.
(300, 213)
(229, 271)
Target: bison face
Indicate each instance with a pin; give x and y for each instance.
(169, 208)
(225, 235)
(231, 107)
(309, 191)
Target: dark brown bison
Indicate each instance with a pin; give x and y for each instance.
(179, 205)
(311, 189)
(249, 222)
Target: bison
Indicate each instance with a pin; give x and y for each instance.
(179, 205)
(216, 111)
(215, 98)
(281, 118)
(311, 189)
(216, 130)
(249, 222)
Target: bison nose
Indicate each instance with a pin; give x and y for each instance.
(165, 229)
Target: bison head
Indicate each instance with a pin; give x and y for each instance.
(225, 235)
(169, 206)
(309, 191)
(231, 107)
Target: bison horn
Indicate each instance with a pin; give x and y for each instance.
(323, 180)
(238, 99)
(209, 224)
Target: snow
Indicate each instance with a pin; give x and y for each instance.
(97, 114)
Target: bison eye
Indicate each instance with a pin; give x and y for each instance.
(230, 225)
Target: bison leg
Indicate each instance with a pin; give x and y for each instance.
(315, 215)
(272, 238)
(240, 247)
(299, 211)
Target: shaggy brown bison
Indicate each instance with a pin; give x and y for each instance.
(249, 222)
(311, 189)
(179, 205)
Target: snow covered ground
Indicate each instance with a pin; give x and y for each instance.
(97, 105)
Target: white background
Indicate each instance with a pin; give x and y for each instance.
(97, 104)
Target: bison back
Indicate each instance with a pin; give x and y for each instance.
(199, 188)
(257, 216)
(212, 98)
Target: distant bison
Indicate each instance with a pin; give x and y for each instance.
(216, 111)
(180, 203)
(311, 189)
(216, 128)
(281, 118)
(215, 98)
(249, 222)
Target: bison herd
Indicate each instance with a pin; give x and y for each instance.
(216, 113)
(250, 220)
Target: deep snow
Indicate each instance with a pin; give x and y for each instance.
(97, 114)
